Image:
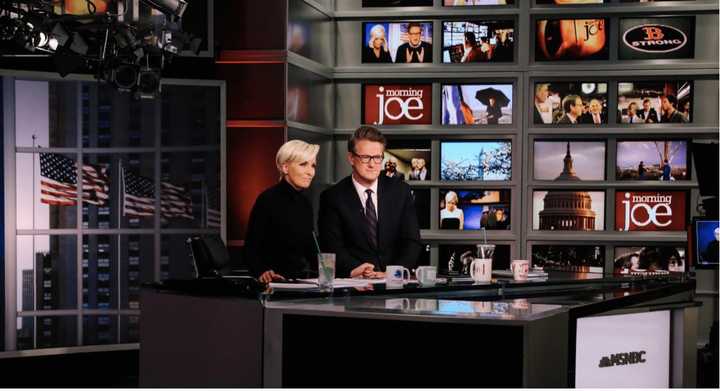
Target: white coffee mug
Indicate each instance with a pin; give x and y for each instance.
(396, 276)
(426, 275)
(481, 270)
(520, 268)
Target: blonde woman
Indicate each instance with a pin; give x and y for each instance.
(279, 243)
(452, 217)
(376, 50)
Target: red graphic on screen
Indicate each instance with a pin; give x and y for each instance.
(403, 104)
(650, 211)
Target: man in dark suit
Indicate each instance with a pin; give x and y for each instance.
(573, 109)
(648, 113)
(595, 114)
(368, 220)
(415, 49)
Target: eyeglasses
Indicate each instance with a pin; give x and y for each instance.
(366, 158)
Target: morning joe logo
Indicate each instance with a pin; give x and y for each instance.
(650, 211)
(655, 38)
(398, 104)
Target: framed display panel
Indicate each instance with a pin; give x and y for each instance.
(705, 238)
(396, 104)
(478, 41)
(477, 104)
(476, 160)
(568, 210)
(585, 258)
(569, 160)
(476, 3)
(671, 37)
(569, 2)
(475, 209)
(454, 259)
(408, 159)
(658, 101)
(648, 210)
(397, 42)
(650, 258)
(652, 160)
(570, 103)
(571, 39)
(397, 3)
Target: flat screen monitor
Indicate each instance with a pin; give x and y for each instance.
(570, 103)
(569, 160)
(652, 160)
(477, 104)
(475, 209)
(568, 210)
(489, 160)
(657, 38)
(571, 39)
(397, 42)
(649, 102)
(705, 235)
(651, 259)
(576, 258)
(476, 3)
(478, 41)
(708, 175)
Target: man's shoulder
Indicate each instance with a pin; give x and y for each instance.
(340, 187)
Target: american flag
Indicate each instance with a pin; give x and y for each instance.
(58, 181)
(138, 195)
(139, 198)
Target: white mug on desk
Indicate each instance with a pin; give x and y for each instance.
(520, 269)
(395, 276)
(426, 275)
(481, 270)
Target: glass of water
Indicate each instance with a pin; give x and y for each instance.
(326, 271)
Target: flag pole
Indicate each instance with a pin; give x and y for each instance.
(34, 137)
(121, 207)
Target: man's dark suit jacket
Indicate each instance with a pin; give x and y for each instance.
(343, 228)
(565, 120)
(401, 53)
(652, 113)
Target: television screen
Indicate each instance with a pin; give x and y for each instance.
(648, 1)
(585, 258)
(658, 160)
(651, 38)
(477, 104)
(570, 103)
(397, 42)
(397, 104)
(569, 160)
(475, 209)
(707, 177)
(475, 161)
(408, 159)
(647, 102)
(421, 197)
(649, 259)
(455, 259)
(571, 39)
(478, 41)
(397, 3)
(706, 233)
(567, 210)
(470, 3)
(563, 2)
(650, 210)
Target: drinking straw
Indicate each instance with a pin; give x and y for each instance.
(484, 235)
(317, 246)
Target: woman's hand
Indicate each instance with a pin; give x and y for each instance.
(270, 276)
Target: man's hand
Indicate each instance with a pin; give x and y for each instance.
(270, 276)
(377, 275)
(363, 271)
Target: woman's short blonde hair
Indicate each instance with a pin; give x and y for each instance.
(378, 31)
(451, 196)
(294, 151)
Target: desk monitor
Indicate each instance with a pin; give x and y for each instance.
(704, 242)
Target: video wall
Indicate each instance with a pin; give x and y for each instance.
(513, 126)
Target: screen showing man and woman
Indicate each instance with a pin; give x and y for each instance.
(650, 259)
(477, 104)
(570, 103)
(478, 41)
(569, 160)
(568, 210)
(475, 209)
(649, 102)
(455, 259)
(571, 39)
(397, 42)
(652, 160)
(707, 236)
(580, 258)
(408, 160)
(471, 3)
(476, 161)
(397, 3)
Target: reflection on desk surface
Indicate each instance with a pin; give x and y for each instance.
(517, 309)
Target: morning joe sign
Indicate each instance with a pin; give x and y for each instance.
(657, 38)
(626, 351)
(404, 104)
(650, 210)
